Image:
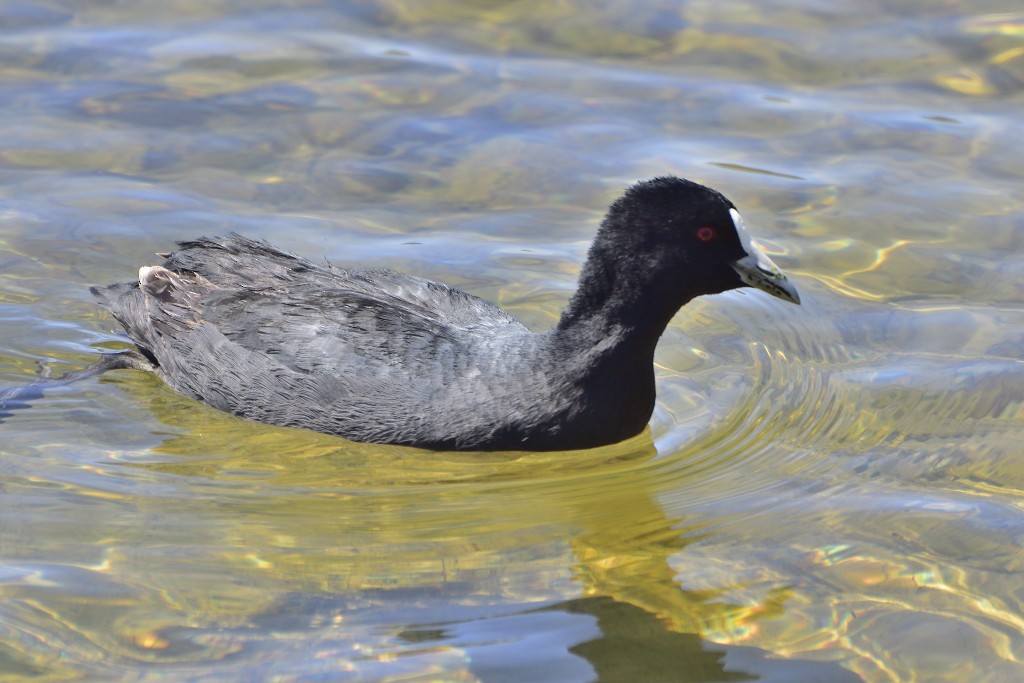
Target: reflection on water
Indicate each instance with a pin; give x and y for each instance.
(826, 493)
(425, 547)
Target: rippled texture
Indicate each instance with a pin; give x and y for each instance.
(827, 493)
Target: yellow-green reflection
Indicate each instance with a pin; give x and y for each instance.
(289, 512)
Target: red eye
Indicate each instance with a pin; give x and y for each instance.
(705, 234)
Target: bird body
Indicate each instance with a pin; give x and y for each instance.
(378, 356)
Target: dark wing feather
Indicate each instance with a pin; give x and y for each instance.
(307, 317)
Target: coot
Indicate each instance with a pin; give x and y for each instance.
(381, 357)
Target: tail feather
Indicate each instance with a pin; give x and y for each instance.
(111, 293)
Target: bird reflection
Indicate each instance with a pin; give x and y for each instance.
(400, 540)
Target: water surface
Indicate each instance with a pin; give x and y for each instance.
(826, 493)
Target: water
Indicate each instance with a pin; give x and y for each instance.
(827, 493)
